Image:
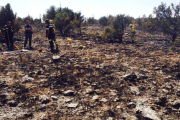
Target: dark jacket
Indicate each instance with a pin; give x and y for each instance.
(50, 31)
(28, 31)
(8, 31)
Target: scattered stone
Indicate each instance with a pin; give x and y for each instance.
(89, 90)
(44, 99)
(161, 101)
(141, 76)
(28, 114)
(54, 97)
(12, 103)
(176, 104)
(42, 107)
(130, 77)
(26, 79)
(134, 90)
(67, 100)
(96, 97)
(145, 112)
(69, 93)
(56, 57)
(103, 100)
(113, 92)
(131, 105)
(72, 105)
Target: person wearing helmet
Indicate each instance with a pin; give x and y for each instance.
(28, 34)
(8, 31)
(132, 33)
(50, 34)
(54, 36)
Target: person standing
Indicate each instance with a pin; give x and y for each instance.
(54, 36)
(28, 34)
(8, 31)
(50, 34)
(132, 33)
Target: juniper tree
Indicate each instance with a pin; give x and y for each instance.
(168, 19)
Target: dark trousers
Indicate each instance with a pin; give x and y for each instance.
(51, 44)
(28, 36)
(10, 40)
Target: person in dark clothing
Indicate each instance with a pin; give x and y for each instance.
(28, 34)
(8, 31)
(50, 34)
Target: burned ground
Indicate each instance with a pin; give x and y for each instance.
(103, 81)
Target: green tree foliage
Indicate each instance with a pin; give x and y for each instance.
(77, 23)
(50, 13)
(17, 24)
(110, 19)
(62, 22)
(28, 18)
(103, 21)
(118, 26)
(139, 22)
(91, 20)
(108, 34)
(66, 20)
(168, 19)
(6, 14)
(127, 20)
(117, 29)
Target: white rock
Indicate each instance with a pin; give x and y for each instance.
(54, 97)
(72, 105)
(134, 89)
(68, 92)
(96, 97)
(56, 57)
(89, 90)
(103, 100)
(26, 79)
(44, 99)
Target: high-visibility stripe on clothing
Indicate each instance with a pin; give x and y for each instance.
(47, 28)
(50, 40)
(56, 42)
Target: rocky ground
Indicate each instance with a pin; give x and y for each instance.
(109, 81)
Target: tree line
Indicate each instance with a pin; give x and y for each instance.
(165, 19)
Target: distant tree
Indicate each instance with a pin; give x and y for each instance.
(119, 25)
(91, 20)
(69, 12)
(62, 22)
(28, 18)
(103, 21)
(139, 21)
(168, 19)
(50, 13)
(17, 24)
(78, 21)
(108, 34)
(37, 22)
(67, 20)
(110, 19)
(128, 20)
(6, 14)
